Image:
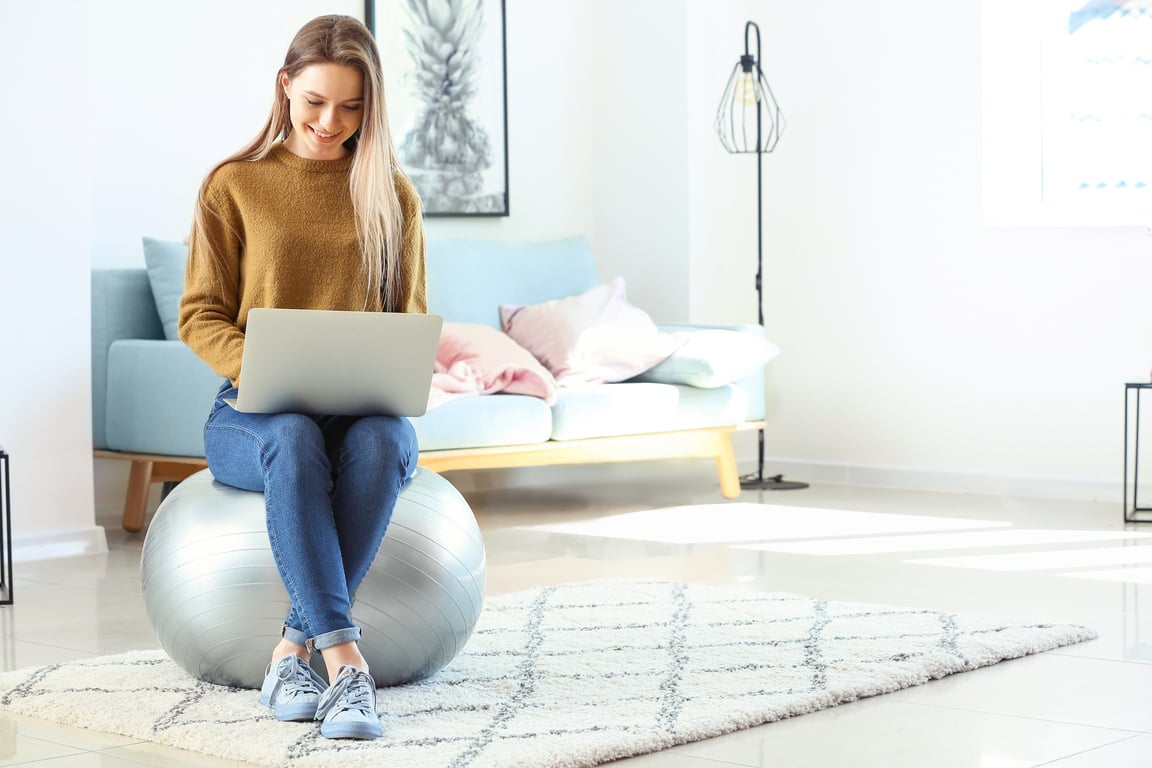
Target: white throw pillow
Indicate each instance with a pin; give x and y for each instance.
(594, 337)
(712, 357)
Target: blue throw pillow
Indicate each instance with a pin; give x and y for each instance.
(711, 358)
(165, 261)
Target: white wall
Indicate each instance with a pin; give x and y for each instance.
(176, 87)
(44, 307)
(919, 347)
(597, 120)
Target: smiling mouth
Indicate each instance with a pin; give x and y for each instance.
(324, 136)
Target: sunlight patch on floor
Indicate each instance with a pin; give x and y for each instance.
(960, 540)
(992, 760)
(1129, 575)
(720, 523)
(1042, 561)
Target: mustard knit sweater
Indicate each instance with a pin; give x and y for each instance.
(288, 239)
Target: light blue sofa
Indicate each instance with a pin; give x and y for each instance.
(150, 395)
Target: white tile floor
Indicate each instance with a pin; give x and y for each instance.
(1085, 706)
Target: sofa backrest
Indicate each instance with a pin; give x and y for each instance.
(469, 279)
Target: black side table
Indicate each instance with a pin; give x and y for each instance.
(1131, 514)
(5, 531)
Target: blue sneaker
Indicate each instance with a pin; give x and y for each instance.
(292, 689)
(348, 707)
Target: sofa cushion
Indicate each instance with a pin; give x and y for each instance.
(712, 358)
(591, 338)
(633, 408)
(479, 422)
(165, 262)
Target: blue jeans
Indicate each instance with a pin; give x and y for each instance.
(330, 484)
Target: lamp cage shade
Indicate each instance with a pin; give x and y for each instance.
(749, 118)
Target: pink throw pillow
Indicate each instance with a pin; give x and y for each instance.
(594, 337)
(478, 359)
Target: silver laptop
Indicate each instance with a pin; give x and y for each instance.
(337, 363)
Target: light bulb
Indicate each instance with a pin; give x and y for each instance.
(747, 91)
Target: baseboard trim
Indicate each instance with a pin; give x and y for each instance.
(1072, 488)
(81, 541)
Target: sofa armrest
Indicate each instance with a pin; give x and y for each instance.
(159, 396)
(755, 382)
(122, 308)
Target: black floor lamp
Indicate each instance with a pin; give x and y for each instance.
(749, 121)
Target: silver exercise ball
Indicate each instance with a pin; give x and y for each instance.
(217, 604)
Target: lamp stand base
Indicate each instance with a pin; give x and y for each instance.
(774, 483)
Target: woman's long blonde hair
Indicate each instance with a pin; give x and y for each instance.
(379, 218)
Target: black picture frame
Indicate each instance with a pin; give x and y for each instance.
(446, 87)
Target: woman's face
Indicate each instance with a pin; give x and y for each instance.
(326, 105)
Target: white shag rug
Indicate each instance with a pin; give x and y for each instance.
(567, 676)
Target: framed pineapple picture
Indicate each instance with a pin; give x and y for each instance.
(445, 85)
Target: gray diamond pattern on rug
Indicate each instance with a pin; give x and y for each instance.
(575, 675)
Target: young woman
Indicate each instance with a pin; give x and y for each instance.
(314, 213)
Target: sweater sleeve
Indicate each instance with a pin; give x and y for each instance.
(210, 305)
(412, 259)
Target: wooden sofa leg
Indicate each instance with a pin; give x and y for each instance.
(136, 502)
(726, 466)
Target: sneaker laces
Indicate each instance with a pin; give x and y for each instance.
(358, 693)
(295, 677)
(353, 690)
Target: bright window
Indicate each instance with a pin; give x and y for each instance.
(1067, 112)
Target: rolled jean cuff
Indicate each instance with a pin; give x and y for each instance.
(294, 636)
(335, 637)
